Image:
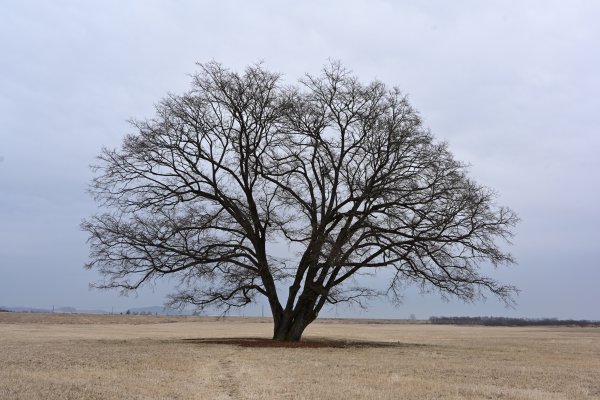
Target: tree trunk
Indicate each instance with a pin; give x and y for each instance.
(290, 328)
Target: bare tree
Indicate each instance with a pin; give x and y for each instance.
(341, 175)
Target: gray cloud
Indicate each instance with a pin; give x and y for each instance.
(512, 86)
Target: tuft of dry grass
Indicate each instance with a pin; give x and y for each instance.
(54, 356)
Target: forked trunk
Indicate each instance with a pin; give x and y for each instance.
(290, 328)
(289, 332)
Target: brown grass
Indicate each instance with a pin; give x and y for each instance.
(57, 356)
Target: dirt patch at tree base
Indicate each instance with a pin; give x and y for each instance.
(304, 343)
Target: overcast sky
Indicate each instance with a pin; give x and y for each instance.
(512, 86)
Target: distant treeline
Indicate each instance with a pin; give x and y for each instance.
(503, 321)
(129, 312)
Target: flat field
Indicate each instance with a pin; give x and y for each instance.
(59, 356)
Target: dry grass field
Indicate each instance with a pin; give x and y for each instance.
(54, 356)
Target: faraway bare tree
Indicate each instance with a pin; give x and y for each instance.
(339, 174)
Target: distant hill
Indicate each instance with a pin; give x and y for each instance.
(26, 309)
(64, 310)
(152, 310)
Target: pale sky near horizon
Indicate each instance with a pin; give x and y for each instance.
(512, 86)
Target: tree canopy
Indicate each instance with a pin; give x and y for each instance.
(245, 186)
